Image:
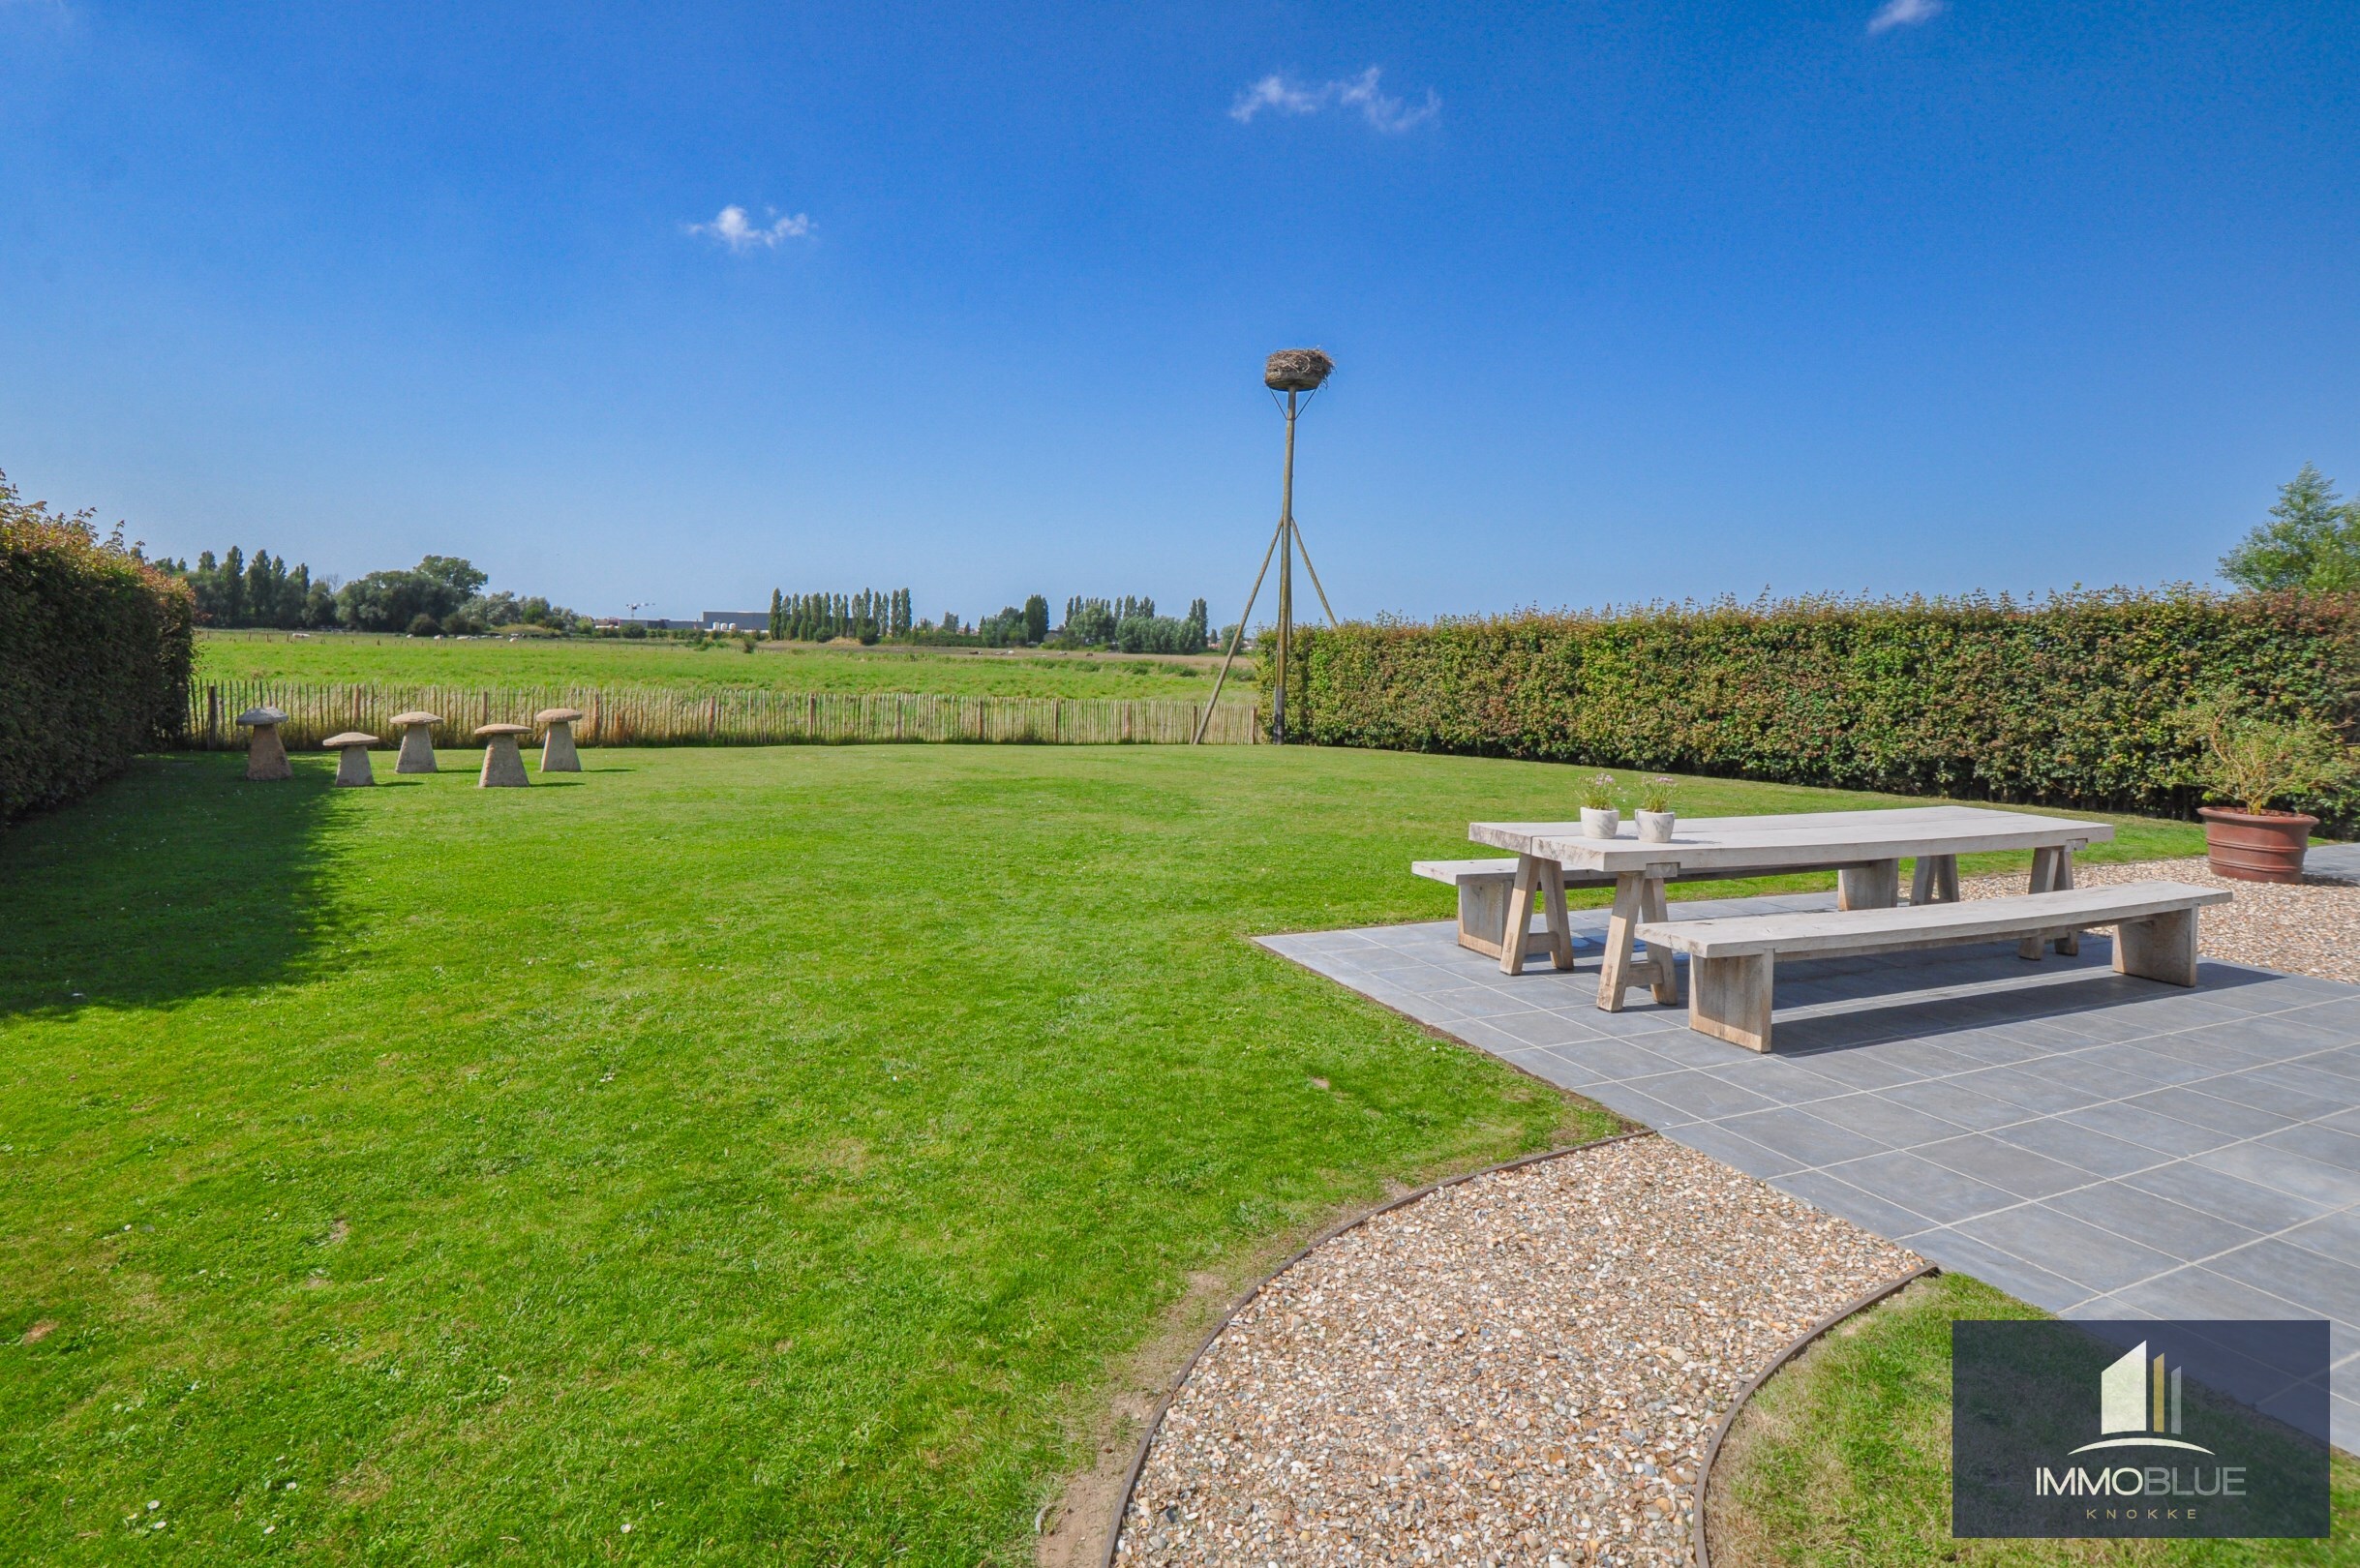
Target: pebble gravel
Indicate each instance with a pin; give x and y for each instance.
(1520, 1369)
(2308, 928)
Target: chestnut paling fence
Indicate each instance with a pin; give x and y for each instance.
(735, 716)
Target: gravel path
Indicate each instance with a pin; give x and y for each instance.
(1520, 1369)
(2309, 927)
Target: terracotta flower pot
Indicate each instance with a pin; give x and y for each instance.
(2256, 846)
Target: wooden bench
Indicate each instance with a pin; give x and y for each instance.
(1484, 886)
(1730, 960)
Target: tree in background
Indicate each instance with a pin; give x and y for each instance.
(1006, 629)
(819, 618)
(264, 592)
(1133, 627)
(1035, 620)
(2312, 541)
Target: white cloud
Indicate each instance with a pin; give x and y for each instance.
(1364, 92)
(1905, 13)
(733, 230)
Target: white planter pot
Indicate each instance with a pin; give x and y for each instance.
(1600, 824)
(1655, 826)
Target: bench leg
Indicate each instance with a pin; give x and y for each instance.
(1934, 880)
(2160, 947)
(1875, 885)
(1730, 999)
(1483, 913)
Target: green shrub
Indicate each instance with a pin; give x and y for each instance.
(2074, 700)
(95, 650)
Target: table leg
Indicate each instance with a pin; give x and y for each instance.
(1935, 880)
(1529, 869)
(1638, 898)
(1560, 923)
(1666, 981)
(1870, 885)
(2052, 871)
(2069, 943)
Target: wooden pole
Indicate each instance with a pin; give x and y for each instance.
(1286, 576)
(1239, 635)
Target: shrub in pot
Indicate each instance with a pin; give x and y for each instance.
(2253, 763)
(1601, 818)
(1655, 814)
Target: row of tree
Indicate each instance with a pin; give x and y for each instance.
(1128, 624)
(819, 618)
(441, 593)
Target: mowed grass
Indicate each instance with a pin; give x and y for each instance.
(771, 1150)
(353, 658)
(1843, 1460)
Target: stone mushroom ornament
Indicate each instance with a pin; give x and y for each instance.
(502, 766)
(352, 768)
(266, 752)
(417, 733)
(557, 754)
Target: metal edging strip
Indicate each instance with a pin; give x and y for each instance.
(1713, 1449)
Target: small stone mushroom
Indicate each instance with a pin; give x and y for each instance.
(502, 766)
(557, 754)
(417, 733)
(352, 768)
(266, 752)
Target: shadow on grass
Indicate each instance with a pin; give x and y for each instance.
(177, 880)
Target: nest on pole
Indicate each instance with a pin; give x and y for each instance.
(1297, 369)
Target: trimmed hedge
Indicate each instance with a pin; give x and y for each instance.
(95, 651)
(2064, 701)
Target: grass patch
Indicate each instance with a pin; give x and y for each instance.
(773, 1148)
(222, 656)
(1843, 1459)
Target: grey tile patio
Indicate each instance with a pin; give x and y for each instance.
(2188, 1234)
(2334, 1235)
(1942, 1195)
(2076, 1145)
(2094, 1144)
(2093, 1258)
(2286, 1170)
(2324, 1144)
(2004, 1165)
(2260, 1209)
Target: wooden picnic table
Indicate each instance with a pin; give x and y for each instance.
(1865, 849)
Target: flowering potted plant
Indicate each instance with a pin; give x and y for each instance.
(2253, 763)
(1600, 817)
(1655, 814)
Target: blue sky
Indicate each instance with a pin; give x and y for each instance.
(1629, 301)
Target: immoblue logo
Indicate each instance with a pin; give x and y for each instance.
(2138, 1405)
(2146, 1428)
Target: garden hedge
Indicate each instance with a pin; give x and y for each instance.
(2068, 701)
(95, 651)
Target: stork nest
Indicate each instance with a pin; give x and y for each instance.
(1297, 369)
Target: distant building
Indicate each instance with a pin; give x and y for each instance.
(741, 621)
(651, 623)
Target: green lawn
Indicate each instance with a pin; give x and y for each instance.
(222, 656)
(1842, 1461)
(772, 1150)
